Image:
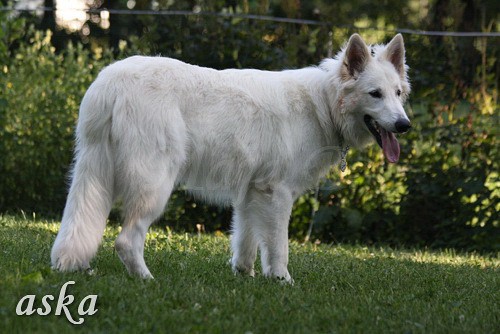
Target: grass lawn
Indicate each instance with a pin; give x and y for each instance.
(338, 289)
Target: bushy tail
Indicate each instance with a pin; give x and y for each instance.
(91, 193)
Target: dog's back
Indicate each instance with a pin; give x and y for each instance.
(224, 129)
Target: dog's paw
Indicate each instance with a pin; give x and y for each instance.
(140, 272)
(282, 276)
(285, 280)
(146, 276)
(239, 269)
(243, 271)
(66, 263)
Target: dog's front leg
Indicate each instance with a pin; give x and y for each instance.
(243, 241)
(269, 210)
(274, 251)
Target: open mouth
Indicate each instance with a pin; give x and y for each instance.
(385, 139)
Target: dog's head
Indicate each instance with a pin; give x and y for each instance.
(373, 88)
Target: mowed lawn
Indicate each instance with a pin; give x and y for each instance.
(338, 289)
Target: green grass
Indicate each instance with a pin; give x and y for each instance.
(338, 289)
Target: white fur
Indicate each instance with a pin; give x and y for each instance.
(252, 139)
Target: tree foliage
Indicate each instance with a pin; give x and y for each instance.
(443, 193)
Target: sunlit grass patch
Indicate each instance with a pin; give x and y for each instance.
(341, 288)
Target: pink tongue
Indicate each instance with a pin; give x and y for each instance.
(390, 145)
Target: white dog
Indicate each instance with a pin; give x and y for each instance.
(252, 139)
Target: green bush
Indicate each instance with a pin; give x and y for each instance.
(41, 92)
(443, 193)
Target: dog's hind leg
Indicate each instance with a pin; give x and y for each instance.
(144, 201)
(142, 206)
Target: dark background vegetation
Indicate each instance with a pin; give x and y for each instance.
(444, 192)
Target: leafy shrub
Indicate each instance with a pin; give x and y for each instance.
(41, 92)
(443, 193)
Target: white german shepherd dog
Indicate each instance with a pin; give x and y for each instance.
(251, 139)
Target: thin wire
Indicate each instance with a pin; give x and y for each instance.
(260, 18)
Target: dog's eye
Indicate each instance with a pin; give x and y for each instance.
(376, 94)
(398, 92)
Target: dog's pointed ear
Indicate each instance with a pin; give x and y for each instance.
(395, 53)
(356, 57)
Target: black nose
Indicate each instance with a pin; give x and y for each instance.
(402, 125)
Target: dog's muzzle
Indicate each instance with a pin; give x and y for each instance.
(402, 125)
(386, 139)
